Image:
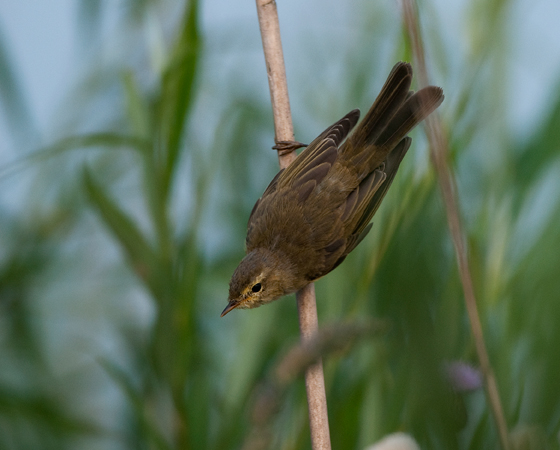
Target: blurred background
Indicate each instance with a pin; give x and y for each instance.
(135, 138)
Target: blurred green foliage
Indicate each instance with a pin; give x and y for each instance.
(113, 275)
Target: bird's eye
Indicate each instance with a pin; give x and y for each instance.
(256, 287)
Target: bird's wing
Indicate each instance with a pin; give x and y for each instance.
(358, 213)
(323, 149)
(373, 153)
(310, 166)
(353, 217)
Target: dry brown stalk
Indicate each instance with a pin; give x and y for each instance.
(439, 151)
(307, 307)
(334, 338)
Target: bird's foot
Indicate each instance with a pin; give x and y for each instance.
(285, 147)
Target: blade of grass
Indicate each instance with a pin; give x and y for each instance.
(136, 400)
(541, 149)
(12, 101)
(99, 140)
(337, 338)
(43, 409)
(141, 255)
(137, 112)
(439, 152)
(177, 92)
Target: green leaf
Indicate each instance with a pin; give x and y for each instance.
(90, 18)
(13, 103)
(541, 150)
(39, 408)
(137, 401)
(136, 107)
(107, 140)
(177, 90)
(139, 252)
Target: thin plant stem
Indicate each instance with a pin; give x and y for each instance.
(335, 338)
(438, 152)
(307, 306)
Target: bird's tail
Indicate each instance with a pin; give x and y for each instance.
(395, 112)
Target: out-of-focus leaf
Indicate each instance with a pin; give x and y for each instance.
(39, 408)
(94, 140)
(17, 272)
(136, 398)
(541, 150)
(13, 103)
(177, 91)
(139, 252)
(89, 20)
(136, 9)
(136, 108)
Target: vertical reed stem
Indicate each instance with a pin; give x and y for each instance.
(439, 152)
(307, 307)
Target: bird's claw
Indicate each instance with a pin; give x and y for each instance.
(285, 147)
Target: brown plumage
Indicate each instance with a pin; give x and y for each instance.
(316, 211)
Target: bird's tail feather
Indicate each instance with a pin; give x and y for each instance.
(395, 112)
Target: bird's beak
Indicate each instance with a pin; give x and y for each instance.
(231, 305)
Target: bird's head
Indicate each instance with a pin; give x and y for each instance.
(261, 277)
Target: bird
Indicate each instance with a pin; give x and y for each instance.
(318, 209)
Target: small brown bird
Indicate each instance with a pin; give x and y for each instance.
(316, 211)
